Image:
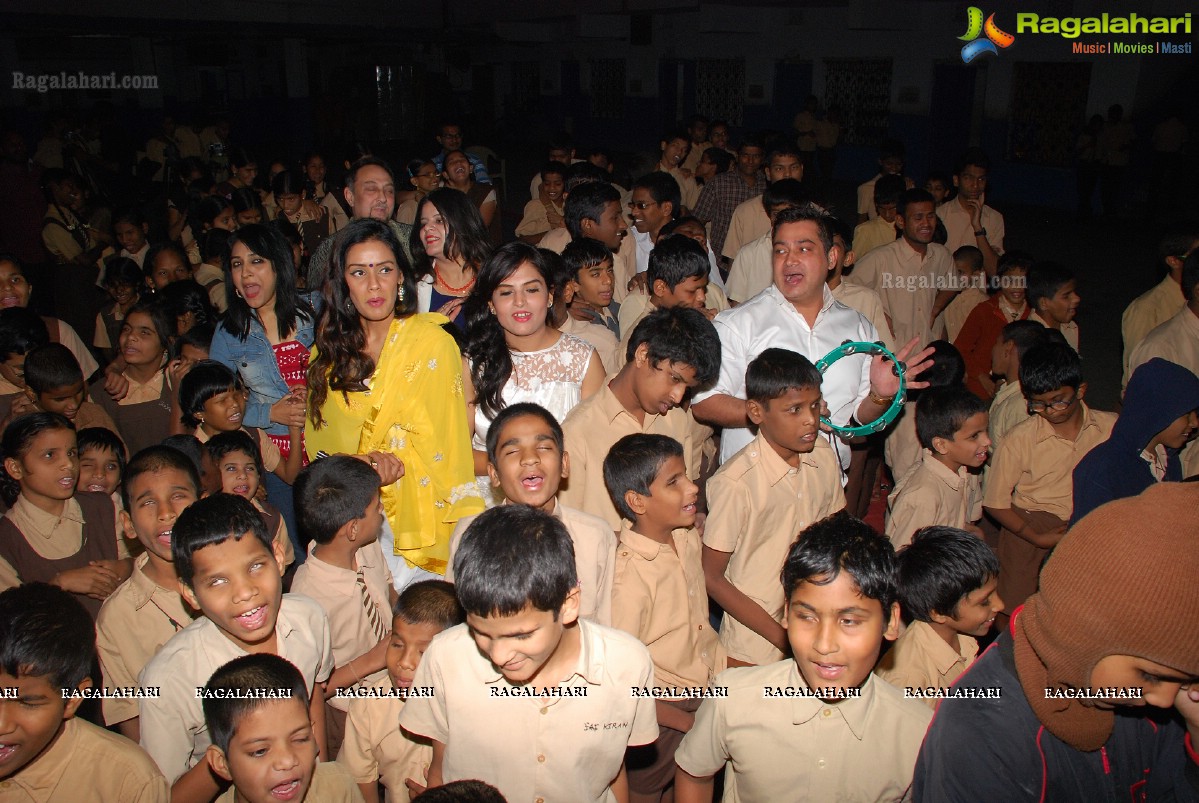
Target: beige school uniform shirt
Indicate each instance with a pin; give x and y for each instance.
(1033, 468)
(87, 763)
(1069, 330)
(624, 267)
(536, 218)
(331, 783)
(591, 428)
(133, 624)
(757, 506)
(1176, 340)
(901, 449)
(601, 339)
(376, 749)
(658, 596)
(172, 725)
(336, 591)
(637, 306)
(556, 240)
(563, 748)
(595, 553)
(803, 748)
(871, 234)
(687, 186)
(1147, 312)
(752, 270)
(866, 198)
(957, 311)
(867, 302)
(52, 537)
(960, 231)
(908, 284)
(920, 659)
(931, 494)
(206, 275)
(1008, 408)
(748, 223)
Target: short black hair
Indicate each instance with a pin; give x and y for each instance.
(633, 463)
(948, 368)
(513, 556)
(1025, 334)
(839, 543)
(46, 632)
(775, 371)
(1177, 240)
(682, 335)
(1049, 366)
(21, 331)
(676, 259)
(971, 255)
(938, 568)
(214, 243)
(519, 410)
(331, 492)
(587, 202)
(153, 459)
(785, 191)
(662, 188)
(51, 367)
(842, 229)
(888, 188)
(916, 195)
(164, 326)
(190, 447)
(941, 412)
(214, 520)
(1190, 276)
(584, 252)
(581, 173)
(719, 157)
(781, 147)
(227, 700)
(676, 224)
(976, 157)
(102, 438)
(554, 168)
(124, 271)
(1011, 260)
(206, 379)
(464, 792)
(198, 337)
(224, 443)
(1045, 279)
(809, 212)
(430, 602)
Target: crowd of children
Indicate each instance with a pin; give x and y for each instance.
(661, 597)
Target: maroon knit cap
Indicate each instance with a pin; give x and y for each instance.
(1123, 581)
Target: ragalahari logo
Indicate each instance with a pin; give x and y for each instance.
(975, 27)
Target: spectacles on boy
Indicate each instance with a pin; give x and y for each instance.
(642, 205)
(1057, 406)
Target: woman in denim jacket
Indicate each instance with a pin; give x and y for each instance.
(265, 337)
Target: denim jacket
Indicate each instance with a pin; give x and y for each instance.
(254, 359)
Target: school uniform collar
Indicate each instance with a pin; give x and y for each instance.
(40, 779)
(1007, 389)
(611, 407)
(644, 546)
(953, 479)
(774, 466)
(943, 656)
(1045, 429)
(589, 667)
(853, 710)
(141, 587)
(44, 524)
(906, 253)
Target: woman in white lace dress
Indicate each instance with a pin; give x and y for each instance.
(513, 354)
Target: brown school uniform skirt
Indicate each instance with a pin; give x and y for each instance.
(651, 767)
(1019, 561)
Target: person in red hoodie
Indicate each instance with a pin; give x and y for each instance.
(985, 322)
(1093, 691)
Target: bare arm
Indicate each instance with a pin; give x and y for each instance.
(316, 712)
(593, 380)
(1012, 522)
(468, 392)
(289, 469)
(721, 410)
(197, 785)
(736, 603)
(689, 789)
(131, 729)
(620, 786)
(355, 670)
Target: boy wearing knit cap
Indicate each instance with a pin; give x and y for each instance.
(1111, 631)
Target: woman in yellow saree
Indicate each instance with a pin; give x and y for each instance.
(386, 381)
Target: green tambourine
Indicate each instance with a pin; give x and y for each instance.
(858, 347)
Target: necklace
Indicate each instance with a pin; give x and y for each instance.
(448, 286)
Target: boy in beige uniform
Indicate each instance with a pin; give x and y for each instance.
(222, 537)
(672, 350)
(338, 509)
(545, 715)
(944, 486)
(674, 150)
(658, 594)
(146, 610)
(819, 726)
(749, 222)
(1163, 301)
(1053, 297)
(545, 212)
(527, 461)
(376, 751)
(1029, 488)
(49, 755)
(1009, 407)
(787, 478)
(968, 262)
(256, 708)
(947, 579)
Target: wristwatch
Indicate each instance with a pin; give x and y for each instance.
(981, 233)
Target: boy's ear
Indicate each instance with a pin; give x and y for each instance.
(659, 288)
(565, 465)
(939, 445)
(29, 394)
(73, 703)
(955, 180)
(568, 614)
(635, 501)
(640, 357)
(892, 630)
(189, 595)
(127, 526)
(570, 291)
(217, 762)
(277, 551)
(754, 411)
(1082, 391)
(493, 475)
(850, 258)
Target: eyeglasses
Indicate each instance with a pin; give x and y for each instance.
(642, 205)
(1058, 406)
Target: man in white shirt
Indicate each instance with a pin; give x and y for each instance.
(799, 312)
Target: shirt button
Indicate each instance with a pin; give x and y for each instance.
(541, 759)
(539, 800)
(820, 763)
(828, 712)
(545, 710)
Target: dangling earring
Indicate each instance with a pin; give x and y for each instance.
(349, 305)
(400, 294)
